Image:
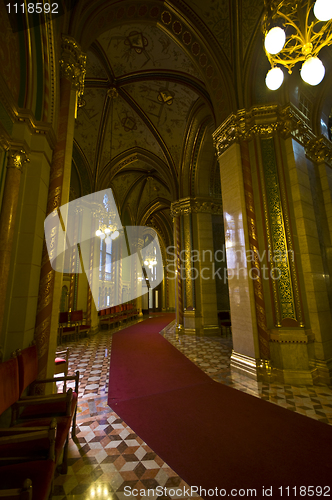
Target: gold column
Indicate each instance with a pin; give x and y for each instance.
(16, 159)
(72, 66)
(261, 142)
(178, 277)
(200, 297)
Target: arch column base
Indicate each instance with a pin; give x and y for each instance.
(245, 365)
(190, 322)
(292, 355)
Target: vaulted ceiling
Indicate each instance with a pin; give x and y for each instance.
(173, 66)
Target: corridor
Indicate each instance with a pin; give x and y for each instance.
(108, 456)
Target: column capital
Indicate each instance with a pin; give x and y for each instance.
(73, 65)
(266, 120)
(16, 158)
(319, 149)
(189, 205)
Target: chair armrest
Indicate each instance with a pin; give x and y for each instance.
(23, 493)
(35, 400)
(17, 436)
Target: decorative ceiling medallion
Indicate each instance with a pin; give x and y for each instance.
(203, 60)
(142, 10)
(154, 12)
(129, 123)
(209, 71)
(177, 27)
(136, 41)
(165, 96)
(120, 13)
(131, 10)
(166, 17)
(215, 83)
(195, 48)
(186, 38)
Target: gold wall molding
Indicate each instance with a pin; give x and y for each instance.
(17, 158)
(22, 116)
(266, 120)
(73, 65)
(194, 205)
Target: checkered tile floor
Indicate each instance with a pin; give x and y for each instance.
(108, 460)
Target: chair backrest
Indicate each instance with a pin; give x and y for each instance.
(224, 315)
(9, 384)
(76, 316)
(63, 317)
(28, 366)
(24, 493)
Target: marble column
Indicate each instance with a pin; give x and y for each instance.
(196, 265)
(178, 277)
(16, 159)
(281, 321)
(72, 64)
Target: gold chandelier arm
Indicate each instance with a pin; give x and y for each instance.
(292, 24)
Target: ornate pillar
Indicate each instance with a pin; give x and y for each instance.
(196, 264)
(72, 65)
(16, 158)
(268, 210)
(178, 272)
(74, 275)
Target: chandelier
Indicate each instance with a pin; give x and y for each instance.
(108, 229)
(150, 260)
(296, 31)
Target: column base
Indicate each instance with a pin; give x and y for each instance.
(209, 331)
(292, 355)
(190, 322)
(245, 365)
(323, 372)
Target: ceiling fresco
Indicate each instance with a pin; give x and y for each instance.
(136, 48)
(137, 143)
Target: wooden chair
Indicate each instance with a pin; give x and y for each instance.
(76, 320)
(61, 364)
(65, 328)
(224, 318)
(23, 493)
(27, 462)
(40, 409)
(27, 480)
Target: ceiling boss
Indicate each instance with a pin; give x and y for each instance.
(296, 32)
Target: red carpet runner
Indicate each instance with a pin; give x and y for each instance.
(213, 436)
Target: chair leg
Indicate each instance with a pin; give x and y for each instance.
(64, 465)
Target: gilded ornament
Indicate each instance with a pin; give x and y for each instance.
(17, 158)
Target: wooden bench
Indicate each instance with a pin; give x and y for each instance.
(28, 455)
(42, 408)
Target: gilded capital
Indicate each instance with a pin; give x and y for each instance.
(263, 121)
(73, 64)
(194, 205)
(319, 150)
(17, 158)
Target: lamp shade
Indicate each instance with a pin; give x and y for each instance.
(275, 40)
(274, 78)
(312, 71)
(323, 10)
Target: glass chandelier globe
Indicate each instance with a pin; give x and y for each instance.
(274, 78)
(312, 71)
(323, 10)
(275, 40)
